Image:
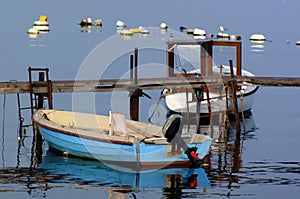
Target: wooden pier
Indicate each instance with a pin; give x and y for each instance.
(42, 89)
(109, 85)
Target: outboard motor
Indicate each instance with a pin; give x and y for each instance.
(172, 126)
(172, 131)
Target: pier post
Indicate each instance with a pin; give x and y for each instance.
(38, 135)
(170, 60)
(233, 91)
(40, 101)
(198, 93)
(135, 94)
(206, 58)
(209, 110)
(49, 90)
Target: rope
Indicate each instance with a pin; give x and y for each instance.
(156, 107)
(3, 114)
(3, 123)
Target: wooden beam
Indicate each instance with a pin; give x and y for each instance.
(109, 85)
(170, 60)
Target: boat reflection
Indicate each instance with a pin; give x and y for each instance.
(94, 173)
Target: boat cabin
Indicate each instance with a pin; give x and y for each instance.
(206, 49)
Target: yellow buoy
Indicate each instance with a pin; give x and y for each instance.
(135, 30)
(43, 18)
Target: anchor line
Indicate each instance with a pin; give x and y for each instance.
(3, 124)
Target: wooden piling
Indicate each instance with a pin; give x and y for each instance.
(135, 69)
(40, 101)
(136, 93)
(198, 93)
(49, 90)
(234, 98)
(131, 68)
(227, 124)
(209, 110)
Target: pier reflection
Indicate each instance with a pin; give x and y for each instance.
(226, 155)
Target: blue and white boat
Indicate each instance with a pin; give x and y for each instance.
(112, 139)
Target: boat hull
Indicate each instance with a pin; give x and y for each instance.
(185, 102)
(120, 152)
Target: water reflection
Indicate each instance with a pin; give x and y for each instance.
(55, 171)
(257, 46)
(93, 172)
(223, 173)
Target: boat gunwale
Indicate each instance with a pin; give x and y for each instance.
(65, 132)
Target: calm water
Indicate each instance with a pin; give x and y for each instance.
(267, 164)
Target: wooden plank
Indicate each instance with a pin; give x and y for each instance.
(108, 85)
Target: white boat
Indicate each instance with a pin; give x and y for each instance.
(184, 57)
(183, 102)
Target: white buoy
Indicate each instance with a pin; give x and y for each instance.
(41, 24)
(65, 154)
(144, 31)
(199, 37)
(32, 31)
(257, 37)
(98, 22)
(235, 37)
(298, 43)
(223, 35)
(120, 24)
(190, 31)
(86, 22)
(42, 28)
(199, 32)
(163, 25)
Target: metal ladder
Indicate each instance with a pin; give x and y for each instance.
(36, 99)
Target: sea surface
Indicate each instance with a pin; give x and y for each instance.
(267, 163)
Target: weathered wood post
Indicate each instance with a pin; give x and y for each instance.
(40, 105)
(209, 110)
(135, 94)
(234, 97)
(49, 90)
(40, 97)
